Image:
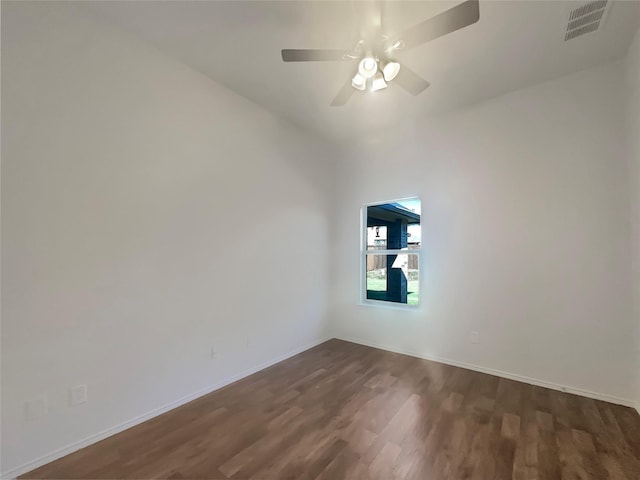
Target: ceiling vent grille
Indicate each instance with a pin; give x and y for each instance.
(588, 17)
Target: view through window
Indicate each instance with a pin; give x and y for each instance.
(391, 254)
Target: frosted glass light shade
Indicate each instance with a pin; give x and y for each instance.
(378, 82)
(368, 67)
(390, 70)
(359, 82)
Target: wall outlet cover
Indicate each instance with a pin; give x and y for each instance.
(77, 395)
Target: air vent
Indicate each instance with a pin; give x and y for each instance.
(588, 17)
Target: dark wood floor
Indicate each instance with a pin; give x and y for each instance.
(342, 410)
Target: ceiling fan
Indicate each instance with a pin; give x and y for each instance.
(377, 65)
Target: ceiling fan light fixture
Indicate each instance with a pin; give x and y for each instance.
(390, 70)
(359, 82)
(368, 67)
(375, 51)
(378, 82)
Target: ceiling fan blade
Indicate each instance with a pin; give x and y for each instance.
(460, 16)
(305, 55)
(410, 81)
(343, 95)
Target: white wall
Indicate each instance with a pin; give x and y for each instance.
(633, 130)
(148, 215)
(525, 235)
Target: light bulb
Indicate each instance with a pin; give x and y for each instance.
(378, 82)
(359, 82)
(368, 67)
(390, 70)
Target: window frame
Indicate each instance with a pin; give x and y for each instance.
(364, 251)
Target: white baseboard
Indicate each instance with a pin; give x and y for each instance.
(75, 446)
(499, 373)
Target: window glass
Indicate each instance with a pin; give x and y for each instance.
(393, 278)
(393, 230)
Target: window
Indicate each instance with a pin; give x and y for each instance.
(391, 252)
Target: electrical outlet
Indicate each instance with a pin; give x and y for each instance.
(36, 407)
(77, 395)
(213, 353)
(474, 337)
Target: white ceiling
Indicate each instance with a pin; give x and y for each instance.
(515, 44)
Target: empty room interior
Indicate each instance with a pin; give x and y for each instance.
(320, 240)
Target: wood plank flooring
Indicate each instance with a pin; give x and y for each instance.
(342, 410)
